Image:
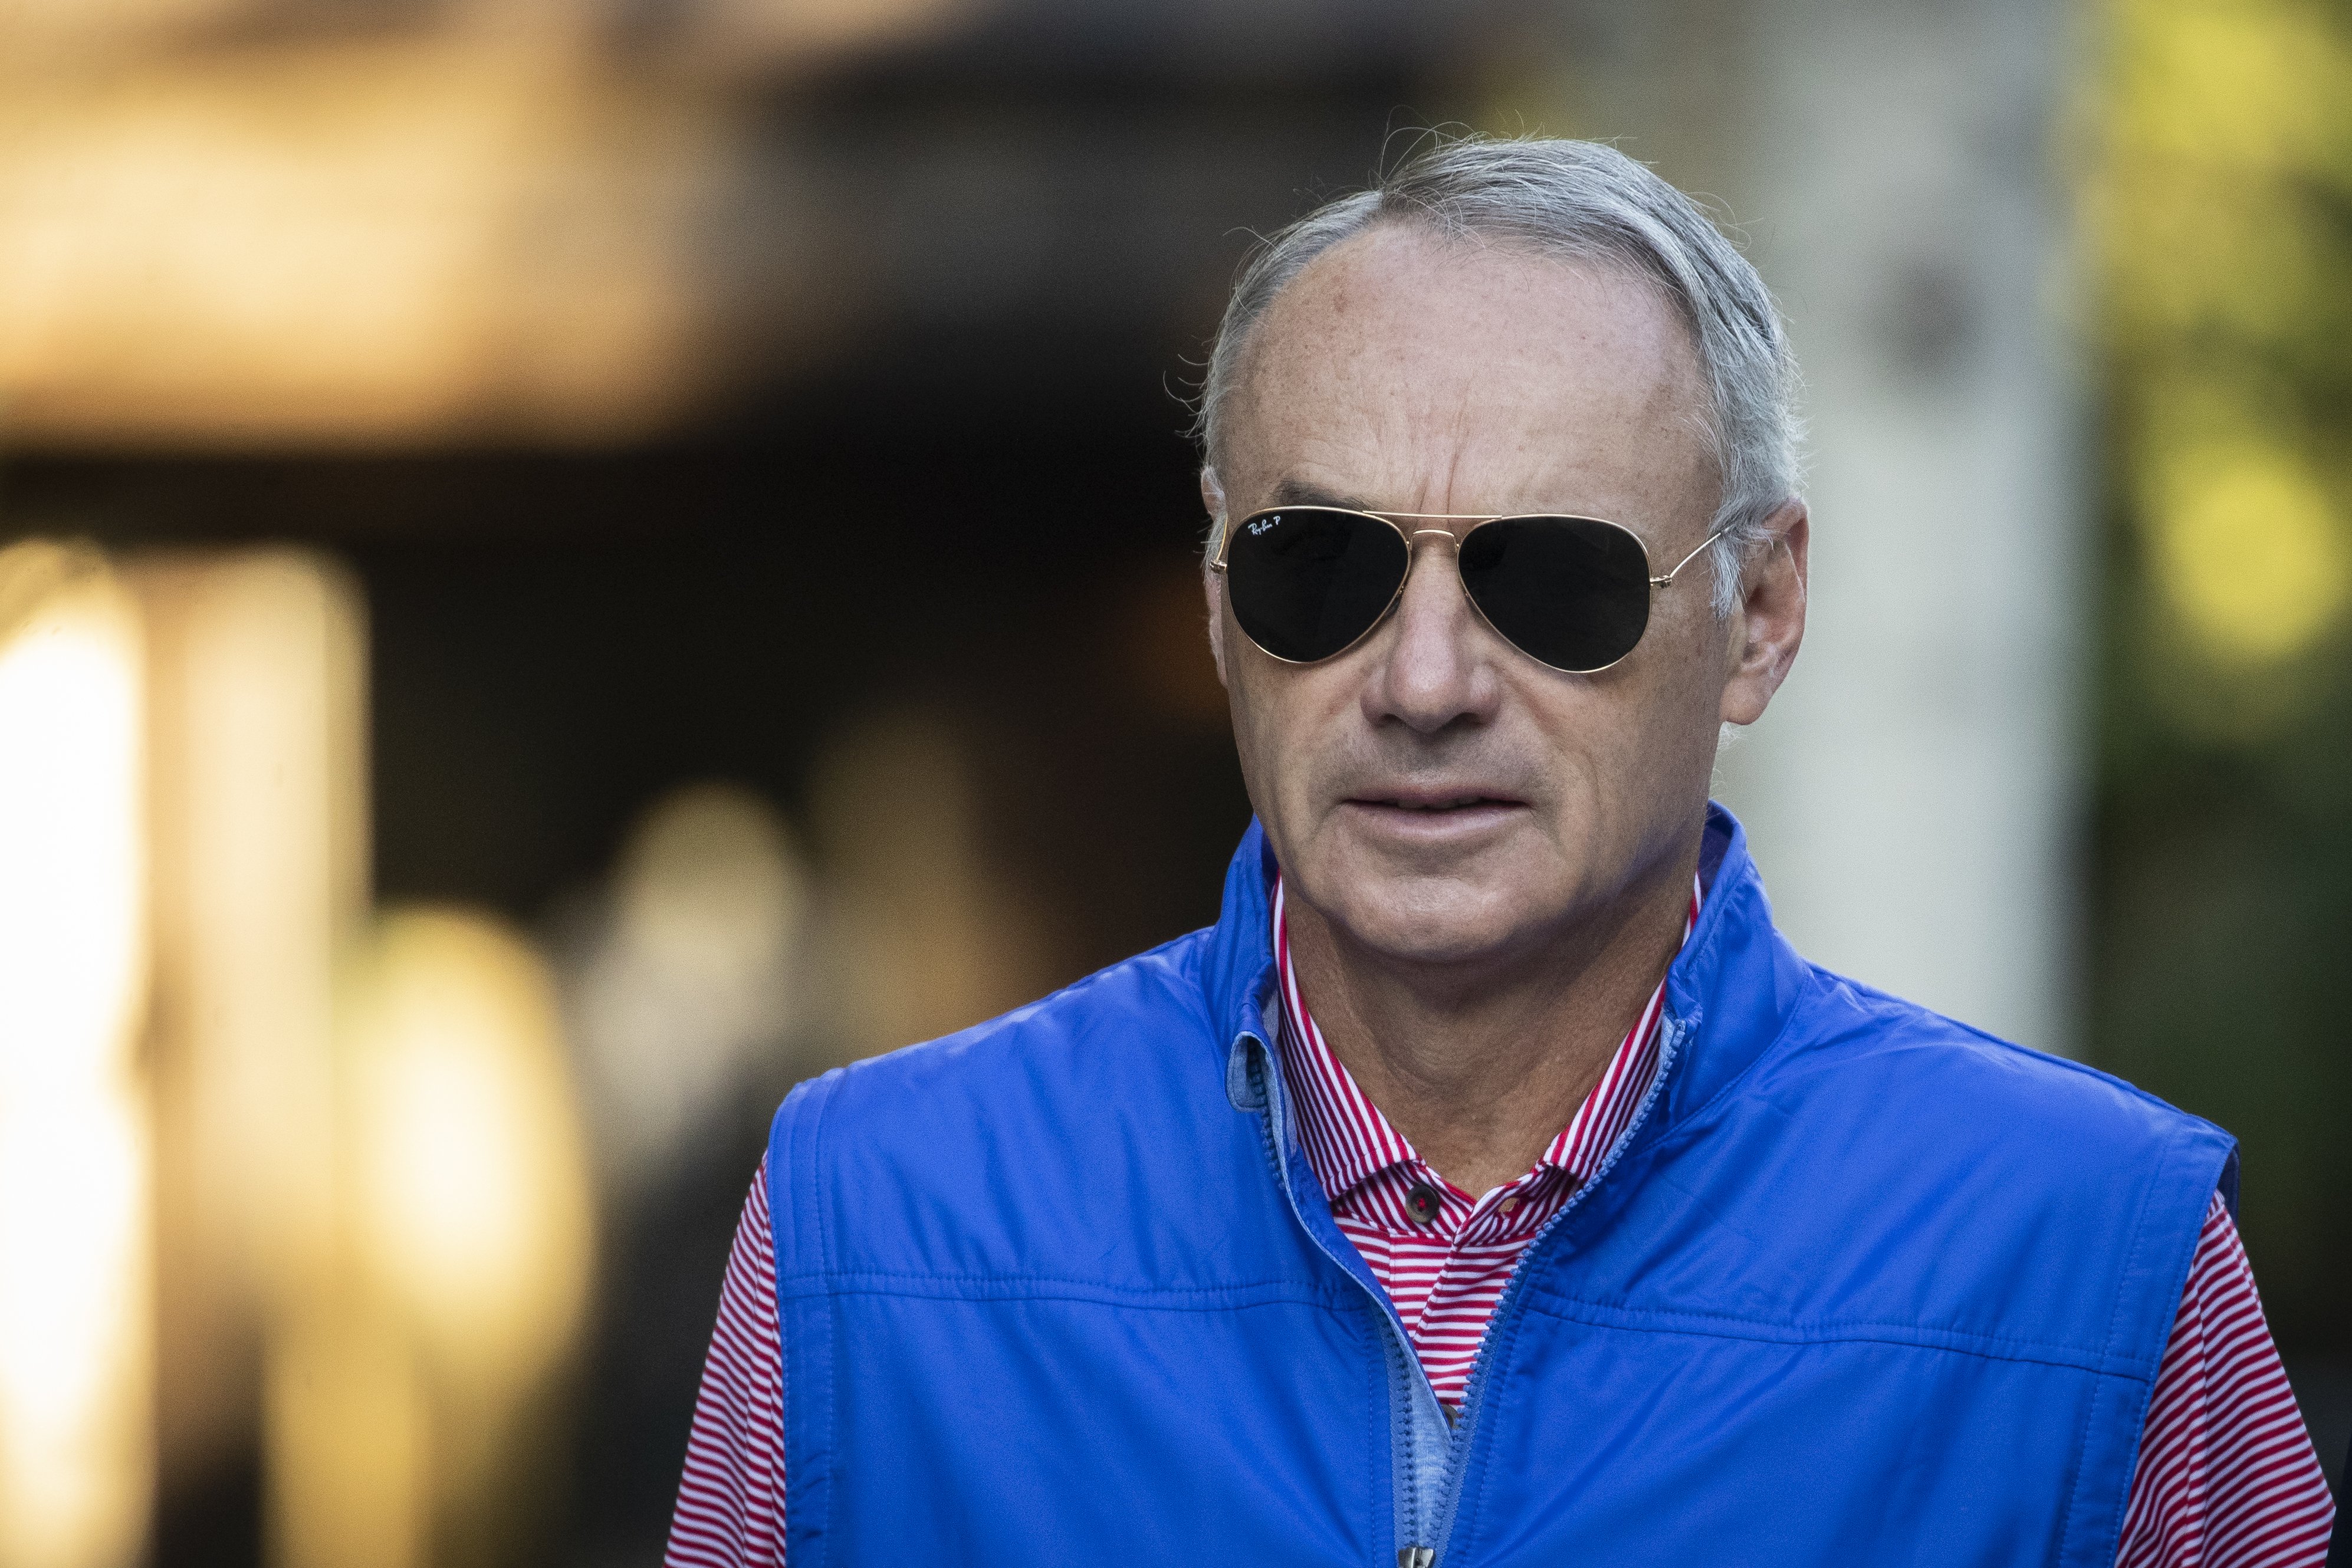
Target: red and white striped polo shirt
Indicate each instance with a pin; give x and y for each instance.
(1443, 1254)
(2226, 1478)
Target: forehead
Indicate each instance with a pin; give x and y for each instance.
(1411, 372)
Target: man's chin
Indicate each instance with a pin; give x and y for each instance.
(1462, 916)
(1467, 946)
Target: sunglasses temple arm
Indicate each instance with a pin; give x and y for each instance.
(1668, 581)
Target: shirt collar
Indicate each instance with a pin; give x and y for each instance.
(1348, 1139)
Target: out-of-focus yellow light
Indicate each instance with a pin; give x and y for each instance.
(76, 1347)
(2249, 87)
(2222, 128)
(257, 700)
(43, 32)
(691, 983)
(2250, 552)
(353, 243)
(70, 801)
(710, 886)
(923, 934)
(749, 35)
(257, 767)
(349, 1421)
(472, 1186)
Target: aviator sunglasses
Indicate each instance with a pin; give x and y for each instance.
(1307, 583)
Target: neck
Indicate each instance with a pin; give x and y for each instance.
(1481, 1066)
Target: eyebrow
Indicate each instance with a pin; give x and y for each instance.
(1304, 493)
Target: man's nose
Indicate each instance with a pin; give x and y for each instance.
(1435, 667)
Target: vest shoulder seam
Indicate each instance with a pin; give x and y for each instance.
(2063, 1066)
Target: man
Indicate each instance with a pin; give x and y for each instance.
(1491, 1183)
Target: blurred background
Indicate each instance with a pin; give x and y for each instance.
(565, 564)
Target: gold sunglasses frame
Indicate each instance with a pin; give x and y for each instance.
(1476, 520)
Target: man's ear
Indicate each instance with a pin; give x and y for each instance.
(1213, 584)
(1769, 622)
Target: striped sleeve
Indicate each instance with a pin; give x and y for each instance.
(730, 1505)
(2227, 1476)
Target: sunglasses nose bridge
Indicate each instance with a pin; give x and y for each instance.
(1413, 547)
(1412, 538)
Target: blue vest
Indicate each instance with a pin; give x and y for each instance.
(1859, 1285)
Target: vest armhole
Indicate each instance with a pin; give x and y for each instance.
(2194, 1163)
(803, 1320)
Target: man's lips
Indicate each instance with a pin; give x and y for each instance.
(1433, 818)
(1438, 802)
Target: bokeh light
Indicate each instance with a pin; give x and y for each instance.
(76, 1331)
(352, 243)
(691, 979)
(2223, 156)
(923, 935)
(473, 1199)
(2250, 551)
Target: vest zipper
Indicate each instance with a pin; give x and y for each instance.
(1463, 1426)
(1404, 1363)
(1458, 1456)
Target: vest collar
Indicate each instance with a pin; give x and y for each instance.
(1237, 972)
(1732, 987)
(1727, 993)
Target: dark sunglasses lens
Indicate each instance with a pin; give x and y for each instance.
(1573, 593)
(1306, 582)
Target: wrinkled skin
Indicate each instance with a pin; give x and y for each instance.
(1488, 861)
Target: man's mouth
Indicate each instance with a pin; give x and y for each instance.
(1436, 802)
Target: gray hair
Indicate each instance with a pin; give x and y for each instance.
(1578, 201)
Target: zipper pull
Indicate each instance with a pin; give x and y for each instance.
(1416, 1556)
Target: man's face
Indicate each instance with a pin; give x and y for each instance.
(1437, 795)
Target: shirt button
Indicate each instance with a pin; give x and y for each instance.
(1423, 1203)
